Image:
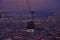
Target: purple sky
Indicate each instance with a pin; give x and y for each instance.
(35, 4)
(20, 6)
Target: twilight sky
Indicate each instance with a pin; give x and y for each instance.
(35, 4)
(20, 6)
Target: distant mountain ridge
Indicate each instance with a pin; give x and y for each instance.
(38, 13)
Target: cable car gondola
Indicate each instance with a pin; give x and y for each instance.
(30, 24)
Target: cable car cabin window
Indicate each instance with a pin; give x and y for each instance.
(0, 15)
(32, 12)
(30, 25)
